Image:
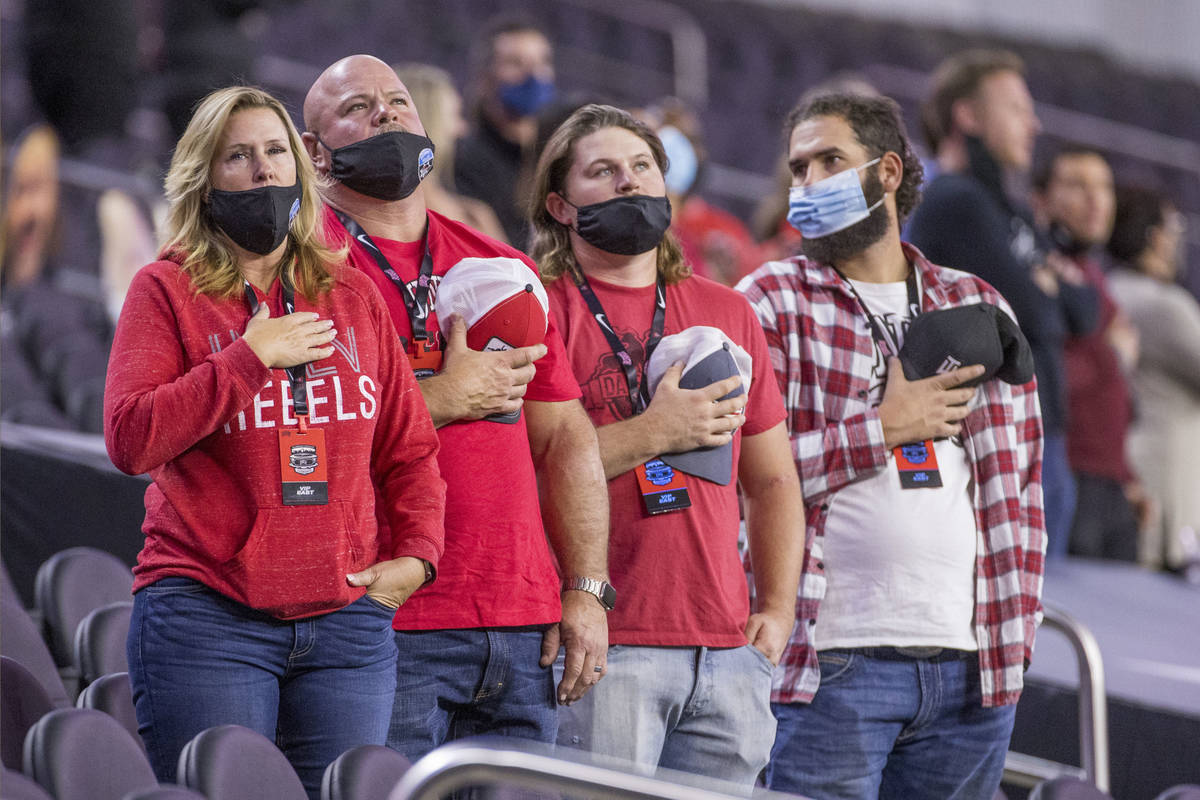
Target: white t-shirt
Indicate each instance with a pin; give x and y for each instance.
(900, 563)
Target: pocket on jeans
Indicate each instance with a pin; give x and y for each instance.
(174, 584)
(378, 606)
(295, 560)
(763, 661)
(835, 665)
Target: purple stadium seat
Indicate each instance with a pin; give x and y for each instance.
(165, 792)
(23, 702)
(1065, 788)
(230, 762)
(84, 754)
(15, 786)
(72, 583)
(112, 694)
(364, 773)
(100, 641)
(1189, 791)
(23, 642)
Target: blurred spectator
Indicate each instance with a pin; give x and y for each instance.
(55, 338)
(1075, 201)
(433, 92)
(205, 47)
(82, 63)
(27, 237)
(512, 80)
(717, 244)
(1164, 441)
(777, 238)
(979, 121)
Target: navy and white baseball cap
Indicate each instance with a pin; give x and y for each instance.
(708, 356)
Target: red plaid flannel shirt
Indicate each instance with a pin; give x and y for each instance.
(821, 349)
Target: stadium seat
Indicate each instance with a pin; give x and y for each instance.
(230, 762)
(72, 583)
(84, 754)
(22, 641)
(1065, 788)
(112, 694)
(364, 773)
(23, 702)
(1188, 791)
(15, 786)
(165, 792)
(100, 641)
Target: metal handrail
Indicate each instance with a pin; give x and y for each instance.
(458, 765)
(1093, 712)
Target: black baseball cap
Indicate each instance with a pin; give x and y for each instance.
(948, 338)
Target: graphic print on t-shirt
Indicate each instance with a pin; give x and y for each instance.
(605, 387)
(893, 328)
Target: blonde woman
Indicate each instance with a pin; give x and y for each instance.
(260, 384)
(441, 105)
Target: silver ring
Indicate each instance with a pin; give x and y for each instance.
(597, 668)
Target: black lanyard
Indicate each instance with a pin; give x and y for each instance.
(416, 301)
(637, 388)
(886, 346)
(295, 374)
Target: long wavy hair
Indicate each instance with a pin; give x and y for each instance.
(551, 245)
(207, 253)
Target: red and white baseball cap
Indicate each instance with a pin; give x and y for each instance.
(501, 300)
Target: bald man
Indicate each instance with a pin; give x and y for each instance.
(476, 644)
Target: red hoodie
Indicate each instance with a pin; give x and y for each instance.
(189, 402)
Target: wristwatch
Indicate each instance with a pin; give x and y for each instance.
(601, 590)
(428, 571)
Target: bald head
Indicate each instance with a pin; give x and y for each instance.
(333, 82)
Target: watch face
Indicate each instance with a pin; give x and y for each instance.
(608, 596)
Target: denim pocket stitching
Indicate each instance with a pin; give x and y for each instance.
(194, 587)
(762, 657)
(842, 661)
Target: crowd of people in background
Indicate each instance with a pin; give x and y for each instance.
(702, 403)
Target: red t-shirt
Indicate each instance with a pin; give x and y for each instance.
(678, 576)
(497, 570)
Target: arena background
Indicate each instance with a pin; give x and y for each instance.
(111, 75)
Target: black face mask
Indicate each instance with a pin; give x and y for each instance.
(256, 219)
(626, 226)
(387, 166)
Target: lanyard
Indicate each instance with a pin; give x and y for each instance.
(416, 301)
(296, 373)
(637, 388)
(886, 346)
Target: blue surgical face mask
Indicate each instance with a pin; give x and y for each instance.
(681, 156)
(829, 205)
(528, 97)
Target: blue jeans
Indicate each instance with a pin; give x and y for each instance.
(452, 684)
(316, 686)
(1058, 494)
(694, 709)
(891, 729)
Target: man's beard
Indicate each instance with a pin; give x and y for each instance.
(837, 247)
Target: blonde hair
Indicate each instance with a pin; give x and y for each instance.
(433, 93)
(551, 245)
(307, 264)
